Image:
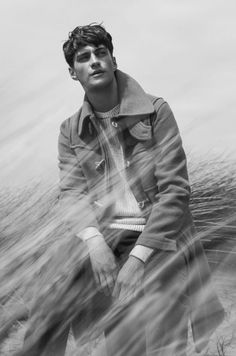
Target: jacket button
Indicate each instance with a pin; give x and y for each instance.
(127, 164)
(141, 204)
(114, 124)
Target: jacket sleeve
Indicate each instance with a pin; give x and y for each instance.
(74, 199)
(170, 210)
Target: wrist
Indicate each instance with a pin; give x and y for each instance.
(95, 240)
(143, 253)
(95, 237)
(136, 260)
(88, 233)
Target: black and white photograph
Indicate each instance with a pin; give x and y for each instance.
(118, 178)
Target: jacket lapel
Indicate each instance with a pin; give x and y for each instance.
(134, 104)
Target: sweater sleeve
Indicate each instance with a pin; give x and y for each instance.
(171, 207)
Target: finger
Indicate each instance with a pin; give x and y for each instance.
(109, 283)
(104, 283)
(124, 295)
(128, 294)
(116, 290)
(96, 278)
(110, 278)
(102, 279)
(114, 276)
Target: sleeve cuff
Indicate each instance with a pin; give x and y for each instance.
(88, 233)
(141, 252)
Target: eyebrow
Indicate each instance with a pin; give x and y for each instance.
(84, 50)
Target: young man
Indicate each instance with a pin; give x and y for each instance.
(125, 191)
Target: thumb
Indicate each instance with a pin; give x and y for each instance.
(116, 290)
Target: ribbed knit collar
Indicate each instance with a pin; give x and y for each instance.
(108, 114)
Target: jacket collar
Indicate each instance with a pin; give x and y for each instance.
(133, 100)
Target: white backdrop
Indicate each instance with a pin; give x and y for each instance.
(181, 50)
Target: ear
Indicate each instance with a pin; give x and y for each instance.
(114, 63)
(72, 73)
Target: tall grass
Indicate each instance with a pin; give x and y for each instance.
(40, 259)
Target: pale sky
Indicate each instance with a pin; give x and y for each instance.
(184, 51)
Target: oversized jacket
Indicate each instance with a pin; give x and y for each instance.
(157, 175)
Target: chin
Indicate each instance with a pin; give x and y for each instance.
(100, 85)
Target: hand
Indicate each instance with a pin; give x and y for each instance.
(103, 263)
(129, 281)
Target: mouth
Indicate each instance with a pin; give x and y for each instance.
(97, 72)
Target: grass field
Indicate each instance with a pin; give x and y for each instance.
(32, 235)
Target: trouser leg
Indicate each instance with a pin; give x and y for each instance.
(163, 309)
(126, 334)
(166, 305)
(167, 334)
(55, 347)
(49, 322)
(157, 323)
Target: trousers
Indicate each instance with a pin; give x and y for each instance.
(154, 324)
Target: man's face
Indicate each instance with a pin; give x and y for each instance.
(94, 67)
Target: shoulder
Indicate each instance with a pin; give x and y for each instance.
(70, 124)
(160, 106)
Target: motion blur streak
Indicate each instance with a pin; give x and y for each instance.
(40, 259)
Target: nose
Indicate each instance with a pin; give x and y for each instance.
(94, 61)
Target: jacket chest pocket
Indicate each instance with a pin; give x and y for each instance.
(92, 163)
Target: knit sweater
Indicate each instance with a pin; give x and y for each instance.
(127, 214)
(126, 210)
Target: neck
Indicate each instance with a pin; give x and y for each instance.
(104, 99)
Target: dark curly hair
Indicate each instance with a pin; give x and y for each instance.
(81, 36)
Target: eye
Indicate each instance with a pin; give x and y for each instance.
(83, 57)
(101, 52)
